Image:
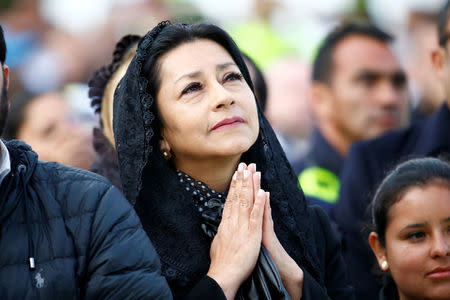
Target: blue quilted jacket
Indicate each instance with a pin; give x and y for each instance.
(66, 234)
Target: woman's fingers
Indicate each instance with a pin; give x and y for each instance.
(256, 184)
(236, 197)
(232, 203)
(245, 197)
(227, 209)
(242, 195)
(268, 233)
(256, 215)
(256, 179)
(269, 210)
(235, 248)
(252, 167)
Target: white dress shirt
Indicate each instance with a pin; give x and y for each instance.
(5, 163)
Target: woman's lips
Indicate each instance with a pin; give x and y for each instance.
(387, 121)
(227, 123)
(440, 273)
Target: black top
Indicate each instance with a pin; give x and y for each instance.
(318, 172)
(389, 290)
(367, 164)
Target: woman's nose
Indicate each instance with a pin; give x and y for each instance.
(440, 245)
(221, 97)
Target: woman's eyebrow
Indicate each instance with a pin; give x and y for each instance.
(416, 225)
(446, 220)
(194, 74)
(225, 65)
(189, 75)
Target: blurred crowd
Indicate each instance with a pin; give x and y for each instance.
(327, 75)
(54, 47)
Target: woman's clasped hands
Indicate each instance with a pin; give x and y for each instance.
(246, 224)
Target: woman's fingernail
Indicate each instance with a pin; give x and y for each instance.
(241, 167)
(246, 173)
(260, 193)
(235, 176)
(258, 174)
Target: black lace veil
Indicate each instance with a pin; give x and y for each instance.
(143, 170)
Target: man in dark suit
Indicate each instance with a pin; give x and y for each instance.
(358, 92)
(368, 162)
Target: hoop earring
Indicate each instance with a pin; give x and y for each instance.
(166, 154)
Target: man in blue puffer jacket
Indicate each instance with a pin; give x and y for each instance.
(67, 233)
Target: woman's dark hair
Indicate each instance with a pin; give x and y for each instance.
(259, 82)
(2, 46)
(174, 35)
(418, 172)
(16, 114)
(442, 21)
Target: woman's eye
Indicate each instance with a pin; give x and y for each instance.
(49, 130)
(233, 76)
(416, 235)
(192, 87)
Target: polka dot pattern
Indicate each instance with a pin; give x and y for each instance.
(209, 203)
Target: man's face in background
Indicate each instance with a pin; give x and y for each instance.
(441, 62)
(368, 88)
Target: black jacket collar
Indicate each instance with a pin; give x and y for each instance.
(322, 154)
(434, 135)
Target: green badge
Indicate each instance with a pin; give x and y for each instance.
(320, 183)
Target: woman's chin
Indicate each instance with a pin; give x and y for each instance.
(235, 147)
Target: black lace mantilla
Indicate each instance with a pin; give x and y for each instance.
(133, 119)
(166, 208)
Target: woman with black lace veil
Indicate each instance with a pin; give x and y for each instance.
(101, 92)
(196, 155)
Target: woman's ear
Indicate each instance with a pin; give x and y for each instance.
(379, 250)
(6, 75)
(438, 61)
(164, 145)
